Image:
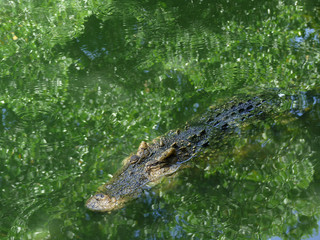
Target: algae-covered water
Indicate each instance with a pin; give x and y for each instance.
(83, 83)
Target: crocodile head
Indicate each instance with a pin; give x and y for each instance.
(125, 185)
(149, 164)
(120, 189)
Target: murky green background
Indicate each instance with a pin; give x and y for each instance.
(82, 83)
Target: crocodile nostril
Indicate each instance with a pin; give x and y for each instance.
(99, 196)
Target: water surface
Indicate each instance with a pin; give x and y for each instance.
(82, 84)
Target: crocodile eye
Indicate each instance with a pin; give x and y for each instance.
(100, 196)
(134, 159)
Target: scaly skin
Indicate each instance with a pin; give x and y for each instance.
(167, 154)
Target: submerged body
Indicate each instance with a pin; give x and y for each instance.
(167, 154)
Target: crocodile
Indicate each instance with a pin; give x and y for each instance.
(167, 154)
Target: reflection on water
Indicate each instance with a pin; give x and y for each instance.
(83, 86)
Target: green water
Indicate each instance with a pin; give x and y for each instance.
(82, 83)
